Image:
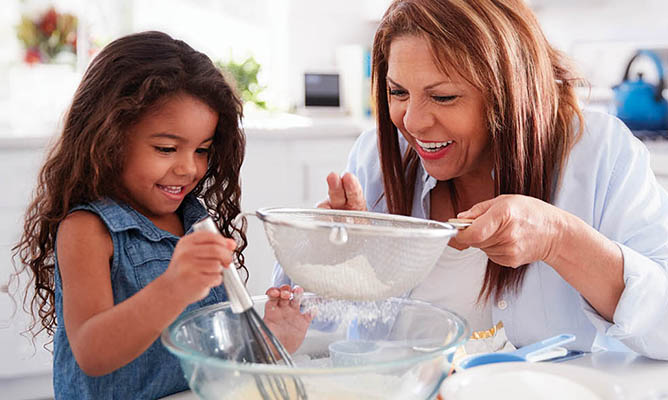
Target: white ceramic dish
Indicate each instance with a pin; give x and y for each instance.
(534, 381)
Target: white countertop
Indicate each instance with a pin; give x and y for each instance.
(639, 377)
(263, 126)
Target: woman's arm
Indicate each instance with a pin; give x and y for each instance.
(105, 336)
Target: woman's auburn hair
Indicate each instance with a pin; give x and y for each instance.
(528, 87)
(125, 81)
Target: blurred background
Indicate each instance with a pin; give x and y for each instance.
(302, 67)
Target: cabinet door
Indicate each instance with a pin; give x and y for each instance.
(314, 160)
(25, 369)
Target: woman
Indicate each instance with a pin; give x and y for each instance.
(477, 118)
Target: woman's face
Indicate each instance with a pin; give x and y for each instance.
(167, 155)
(441, 116)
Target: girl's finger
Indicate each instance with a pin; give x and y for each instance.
(297, 293)
(285, 296)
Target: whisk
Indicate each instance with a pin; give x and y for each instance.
(273, 386)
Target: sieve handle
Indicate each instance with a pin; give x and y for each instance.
(240, 299)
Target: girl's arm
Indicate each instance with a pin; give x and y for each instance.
(105, 336)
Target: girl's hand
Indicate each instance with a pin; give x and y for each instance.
(513, 230)
(282, 316)
(345, 193)
(196, 264)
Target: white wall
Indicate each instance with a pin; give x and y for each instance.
(315, 30)
(602, 35)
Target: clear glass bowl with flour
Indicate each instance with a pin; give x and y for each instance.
(354, 255)
(402, 354)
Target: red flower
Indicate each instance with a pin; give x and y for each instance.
(49, 22)
(32, 56)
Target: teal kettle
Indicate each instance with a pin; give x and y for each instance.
(640, 104)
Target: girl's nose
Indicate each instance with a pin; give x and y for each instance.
(186, 165)
(417, 118)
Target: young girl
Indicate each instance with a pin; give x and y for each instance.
(151, 141)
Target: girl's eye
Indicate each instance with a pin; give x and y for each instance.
(161, 149)
(203, 150)
(444, 99)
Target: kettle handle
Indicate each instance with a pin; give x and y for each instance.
(659, 67)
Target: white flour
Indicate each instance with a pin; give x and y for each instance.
(344, 312)
(353, 279)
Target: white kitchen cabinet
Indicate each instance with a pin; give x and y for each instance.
(25, 370)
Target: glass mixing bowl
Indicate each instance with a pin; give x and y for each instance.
(390, 349)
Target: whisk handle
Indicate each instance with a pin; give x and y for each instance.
(240, 299)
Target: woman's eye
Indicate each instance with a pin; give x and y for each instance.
(397, 92)
(444, 99)
(203, 150)
(161, 149)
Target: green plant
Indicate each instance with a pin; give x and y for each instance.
(245, 77)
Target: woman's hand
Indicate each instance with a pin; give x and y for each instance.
(196, 264)
(283, 317)
(513, 230)
(345, 193)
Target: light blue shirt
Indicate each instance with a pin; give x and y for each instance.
(608, 183)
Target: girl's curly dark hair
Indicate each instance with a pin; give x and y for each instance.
(122, 83)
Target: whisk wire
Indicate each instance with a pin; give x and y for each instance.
(276, 384)
(258, 349)
(287, 359)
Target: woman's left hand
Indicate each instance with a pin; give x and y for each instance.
(283, 317)
(513, 230)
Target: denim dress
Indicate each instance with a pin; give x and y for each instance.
(141, 253)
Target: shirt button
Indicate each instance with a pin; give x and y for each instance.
(502, 304)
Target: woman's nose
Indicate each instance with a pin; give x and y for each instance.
(417, 118)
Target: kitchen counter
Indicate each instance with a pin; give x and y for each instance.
(640, 377)
(257, 125)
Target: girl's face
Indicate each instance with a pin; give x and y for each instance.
(441, 116)
(167, 155)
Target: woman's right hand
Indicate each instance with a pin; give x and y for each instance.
(345, 193)
(196, 264)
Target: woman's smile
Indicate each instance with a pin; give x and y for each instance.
(433, 150)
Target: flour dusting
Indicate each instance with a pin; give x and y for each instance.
(353, 279)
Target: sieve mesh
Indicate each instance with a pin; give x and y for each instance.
(383, 256)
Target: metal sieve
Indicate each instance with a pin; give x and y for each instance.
(354, 255)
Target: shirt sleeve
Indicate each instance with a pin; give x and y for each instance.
(633, 212)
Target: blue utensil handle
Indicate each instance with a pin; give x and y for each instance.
(543, 345)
